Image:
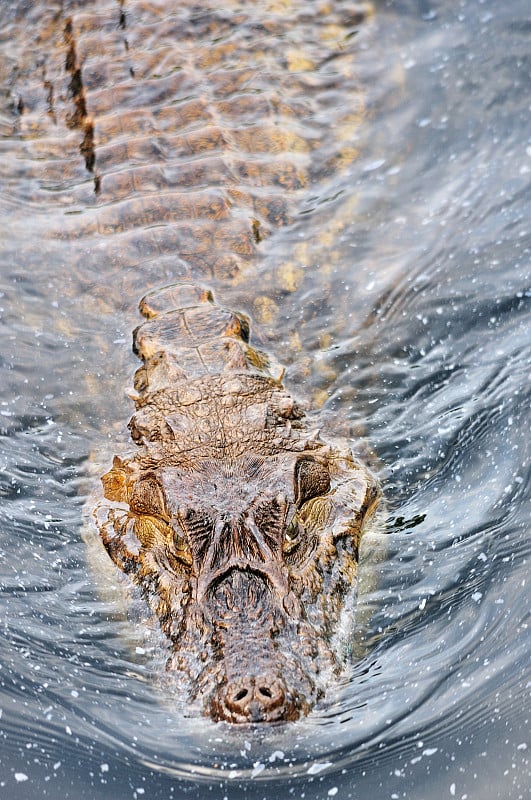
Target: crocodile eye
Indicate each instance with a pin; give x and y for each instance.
(292, 536)
(311, 480)
(147, 498)
(182, 551)
(179, 542)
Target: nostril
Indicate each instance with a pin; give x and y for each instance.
(270, 695)
(254, 699)
(238, 696)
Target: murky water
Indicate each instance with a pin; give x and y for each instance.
(409, 327)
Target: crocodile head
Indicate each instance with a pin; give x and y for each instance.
(248, 565)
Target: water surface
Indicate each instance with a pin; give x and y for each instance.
(409, 329)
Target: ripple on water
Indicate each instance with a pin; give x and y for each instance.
(417, 330)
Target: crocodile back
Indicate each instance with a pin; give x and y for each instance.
(178, 137)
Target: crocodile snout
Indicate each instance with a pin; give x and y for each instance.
(255, 698)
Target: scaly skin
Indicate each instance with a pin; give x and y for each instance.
(175, 139)
(239, 524)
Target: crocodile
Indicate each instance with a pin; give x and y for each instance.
(238, 522)
(176, 143)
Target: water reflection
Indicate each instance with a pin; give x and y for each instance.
(418, 335)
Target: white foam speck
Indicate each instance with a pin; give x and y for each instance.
(318, 767)
(258, 767)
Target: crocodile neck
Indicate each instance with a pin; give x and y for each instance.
(203, 390)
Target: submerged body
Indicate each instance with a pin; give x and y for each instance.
(240, 525)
